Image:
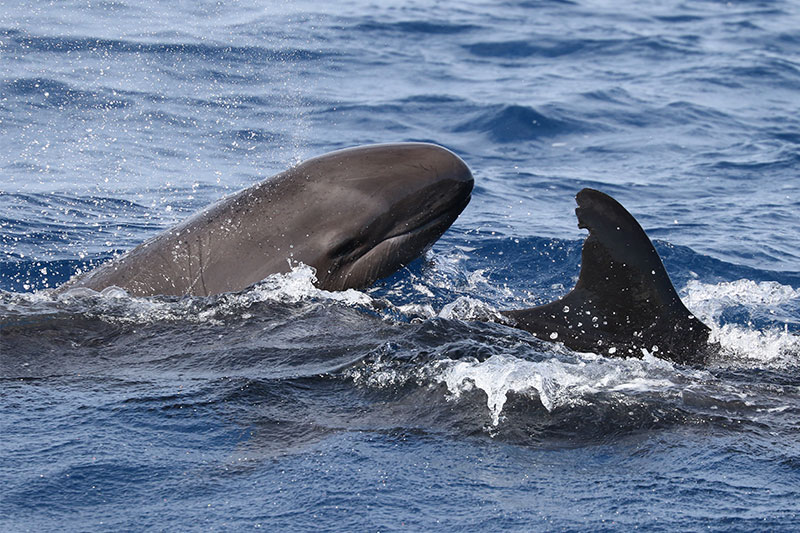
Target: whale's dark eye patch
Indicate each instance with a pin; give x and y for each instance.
(346, 247)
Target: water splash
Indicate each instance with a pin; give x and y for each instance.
(754, 322)
(556, 382)
(114, 305)
(466, 308)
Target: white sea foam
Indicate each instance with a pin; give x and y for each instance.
(416, 311)
(297, 285)
(115, 305)
(744, 344)
(704, 297)
(466, 308)
(555, 382)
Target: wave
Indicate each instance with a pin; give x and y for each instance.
(45, 237)
(439, 362)
(528, 392)
(515, 123)
(545, 47)
(422, 27)
(48, 92)
(109, 47)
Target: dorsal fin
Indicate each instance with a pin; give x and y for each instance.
(624, 301)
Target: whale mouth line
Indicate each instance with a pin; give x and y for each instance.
(398, 250)
(438, 223)
(450, 212)
(408, 233)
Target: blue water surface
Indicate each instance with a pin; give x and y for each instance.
(401, 408)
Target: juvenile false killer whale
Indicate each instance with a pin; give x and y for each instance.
(624, 301)
(354, 215)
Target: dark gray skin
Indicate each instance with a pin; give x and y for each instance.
(623, 301)
(355, 215)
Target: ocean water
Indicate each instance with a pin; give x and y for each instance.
(398, 408)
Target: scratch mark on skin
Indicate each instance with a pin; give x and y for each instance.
(189, 266)
(202, 266)
(195, 272)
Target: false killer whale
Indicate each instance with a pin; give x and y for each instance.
(355, 215)
(623, 302)
(359, 214)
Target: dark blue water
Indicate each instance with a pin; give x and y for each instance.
(399, 408)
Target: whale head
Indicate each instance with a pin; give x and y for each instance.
(379, 207)
(354, 215)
